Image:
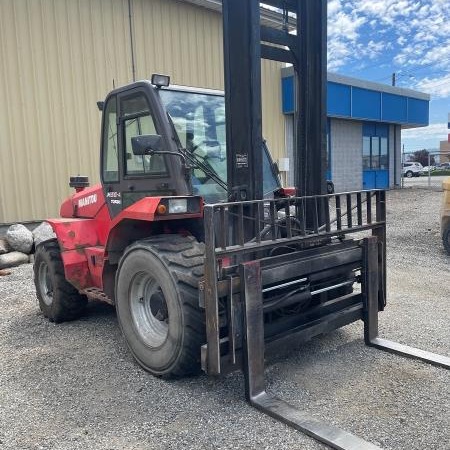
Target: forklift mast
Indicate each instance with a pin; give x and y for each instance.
(246, 41)
(266, 255)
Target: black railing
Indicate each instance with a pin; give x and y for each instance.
(277, 221)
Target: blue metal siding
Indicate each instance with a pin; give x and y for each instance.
(369, 129)
(375, 129)
(366, 104)
(287, 89)
(418, 111)
(339, 99)
(376, 179)
(395, 108)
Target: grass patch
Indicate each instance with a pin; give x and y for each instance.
(439, 173)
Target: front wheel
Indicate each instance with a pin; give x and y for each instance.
(157, 303)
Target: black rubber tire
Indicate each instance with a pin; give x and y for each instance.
(62, 301)
(446, 239)
(177, 264)
(409, 174)
(330, 187)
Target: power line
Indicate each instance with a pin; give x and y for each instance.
(403, 73)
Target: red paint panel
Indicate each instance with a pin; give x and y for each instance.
(89, 201)
(75, 233)
(76, 269)
(143, 209)
(66, 209)
(86, 203)
(95, 260)
(103, 224)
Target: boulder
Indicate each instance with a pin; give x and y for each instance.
(4, 246)
(13, 259)
(43, 232)
(20, 238)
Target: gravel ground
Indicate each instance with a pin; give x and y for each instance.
(75, 386)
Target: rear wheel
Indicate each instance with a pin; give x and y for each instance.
(58, 299)
(446, 239)
(409, 174)
(157, 303)
(330, 187)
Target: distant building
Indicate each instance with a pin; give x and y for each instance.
(365, 121)
(444, 149)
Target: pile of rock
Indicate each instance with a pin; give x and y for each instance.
(17, 246)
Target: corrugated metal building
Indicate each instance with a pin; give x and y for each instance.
(60, 56)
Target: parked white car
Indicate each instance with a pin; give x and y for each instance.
(427, 169)
(412, 169)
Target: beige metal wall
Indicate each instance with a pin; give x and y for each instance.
(58, 57)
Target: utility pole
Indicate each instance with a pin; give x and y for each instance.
(394, 79)
(403, 160)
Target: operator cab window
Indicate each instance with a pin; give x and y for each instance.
(137, 121)
(199, 121)
(110, 154)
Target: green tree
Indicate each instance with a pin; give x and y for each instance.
(422, 157)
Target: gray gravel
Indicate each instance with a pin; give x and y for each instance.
(75, 386)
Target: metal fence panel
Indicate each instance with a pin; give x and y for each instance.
(427, 176)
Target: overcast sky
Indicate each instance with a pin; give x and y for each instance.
(371, 39)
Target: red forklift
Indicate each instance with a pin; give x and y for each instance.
(190, 235)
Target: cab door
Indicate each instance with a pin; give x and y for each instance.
(126, 177)
(110, 157)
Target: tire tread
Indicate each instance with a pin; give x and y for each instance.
(184, 258)
(68, 303)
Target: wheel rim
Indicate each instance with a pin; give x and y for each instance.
(45, 284)
(149, 309)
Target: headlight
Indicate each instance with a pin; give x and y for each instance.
(178, 206)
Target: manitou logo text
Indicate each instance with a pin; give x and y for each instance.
(89, 200)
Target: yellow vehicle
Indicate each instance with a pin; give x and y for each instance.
(445, 215)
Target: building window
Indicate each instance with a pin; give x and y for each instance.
(375, 146)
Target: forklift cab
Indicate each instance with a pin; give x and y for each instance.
(127, 177)
(191, 156)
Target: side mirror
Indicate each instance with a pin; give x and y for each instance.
(145, 144)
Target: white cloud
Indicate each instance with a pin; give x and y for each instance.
(435, 131)
(411, 37)
(343, 33)
(334, 6)
(437, 87)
